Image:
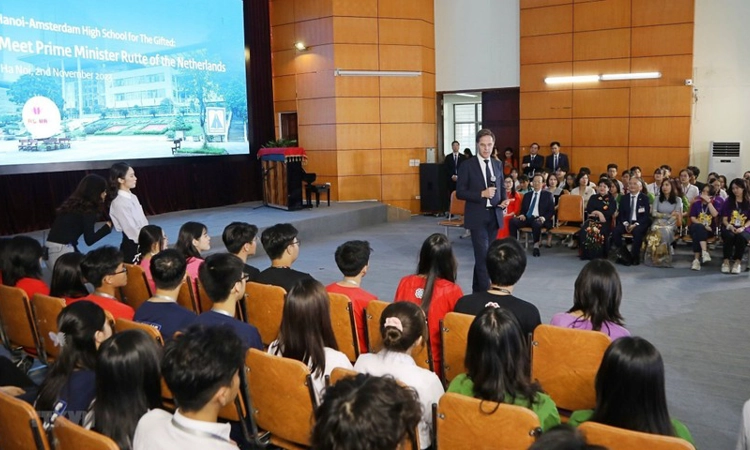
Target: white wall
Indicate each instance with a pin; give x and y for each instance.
(721, 71)
(477, 44)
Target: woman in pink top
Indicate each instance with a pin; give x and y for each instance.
(433, 287)
(151, 240)
(596, 301)
(192, 240)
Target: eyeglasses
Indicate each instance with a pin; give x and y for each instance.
(296, 242)
(124, 270)
(245, 277)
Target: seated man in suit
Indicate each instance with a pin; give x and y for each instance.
(533, 162)
(556, 160)
(634, 217)
(537, 209)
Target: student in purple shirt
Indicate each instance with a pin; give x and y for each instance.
(596, 301)
(162, 311)
(222, 276)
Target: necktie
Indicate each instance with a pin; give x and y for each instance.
(633, 199)
(455, 165)
(555, 165)
(532, 205)
(487, 173)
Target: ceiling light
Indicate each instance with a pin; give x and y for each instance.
(462, 94)
(575, 79)
(630, 76)
(300, 46)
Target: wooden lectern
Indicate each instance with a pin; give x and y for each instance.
(282, 176)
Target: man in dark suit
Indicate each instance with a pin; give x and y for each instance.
(556, 159)
(477, 182)
(537, 209)
(451, 164)
(634, 217)
(534, 162)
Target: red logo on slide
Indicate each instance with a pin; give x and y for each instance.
(37, 110)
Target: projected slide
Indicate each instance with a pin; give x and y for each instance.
(92, 80)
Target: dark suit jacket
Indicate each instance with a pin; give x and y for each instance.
(536, 166)
(469, 187)
(562, 162)
(451, 168)
(643, 218)
(546, 204)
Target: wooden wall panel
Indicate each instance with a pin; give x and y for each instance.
(317, 137)
(649, 158)
(601, 103)
(649, 12)
(357, 110)
(601, 15)
(314, 32)
(357, 136)
(406, 110)
(605, 132)
(413, 9)
(356, 57)
(546, 105)
(405, 32)
(319, 111)
(550, 20)
(283, 37)
(400, 187)
(355, 30)
(428, 85)
(315, 85)
(604, 44)
(284, 88)
(597, 158)
(356, 86)
(396, 161)
(660, 132)
(360, 187)
(401, 86)
(316, 59)
(362, 162)
(355, 8)
(661, 101)
(428, 60)
(525, 4)
(322, 163)
(674, 69)
(663, 40)
(282, 63)
(409, 135)
(281, 12)
(545, 131)
(547, 49)
(312, 9)
(284, 106)
(533, 75)
(401, 57)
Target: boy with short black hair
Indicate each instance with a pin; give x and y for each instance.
(240, 240)
(104, 269)
(281, 245)
(161, 310)
(201, 368)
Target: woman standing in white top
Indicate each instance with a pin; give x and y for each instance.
(306, 333)
(403, 328)
(125, 210)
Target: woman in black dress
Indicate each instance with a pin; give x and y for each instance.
(594, 234)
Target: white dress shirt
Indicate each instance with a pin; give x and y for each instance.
(155, 431)
(403, 368)
(127, 214)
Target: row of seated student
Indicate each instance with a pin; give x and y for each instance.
(664, 208)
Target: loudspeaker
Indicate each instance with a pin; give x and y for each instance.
(433, 188)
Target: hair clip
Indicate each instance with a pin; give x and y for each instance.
(492, 304)
(58, 339)
(394, 322)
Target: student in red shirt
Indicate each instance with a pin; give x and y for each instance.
(353, 260)
(104, 269)
(21, 265)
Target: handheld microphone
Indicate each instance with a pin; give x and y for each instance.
(492, 181)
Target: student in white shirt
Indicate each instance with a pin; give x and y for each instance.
(688, 190)
(201, 368)
(403, 328)
(306, 333)
(125, 210)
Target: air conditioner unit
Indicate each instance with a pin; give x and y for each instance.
(724, 159)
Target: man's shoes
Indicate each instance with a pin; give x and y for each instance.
(696, 265)
(705, 256)
(725, 267)
(537, 253)
(467, 234)
(737, 267)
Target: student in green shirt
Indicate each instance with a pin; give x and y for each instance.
(497, 363)
(630, 391)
